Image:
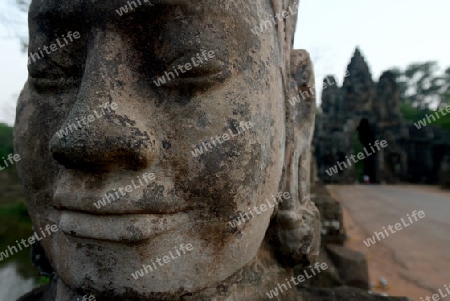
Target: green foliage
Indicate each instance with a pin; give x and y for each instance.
(6, 140)
(9, 182)
(17, 210)
(444, 122)
(412, 114)
(15, 225)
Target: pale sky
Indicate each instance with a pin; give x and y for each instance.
(389, 33)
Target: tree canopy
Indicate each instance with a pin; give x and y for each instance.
(424, 89)
(422, 86)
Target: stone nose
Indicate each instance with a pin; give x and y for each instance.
(98, 132)
(101, 138)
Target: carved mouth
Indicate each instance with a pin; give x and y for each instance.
(107, 196)
(129, 228)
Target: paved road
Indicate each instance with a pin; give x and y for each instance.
(422, 248)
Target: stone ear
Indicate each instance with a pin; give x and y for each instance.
(297, 219)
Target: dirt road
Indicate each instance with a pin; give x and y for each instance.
(416, 259)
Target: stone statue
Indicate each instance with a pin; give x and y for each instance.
(106, 127)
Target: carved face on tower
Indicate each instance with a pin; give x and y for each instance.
(143, 134)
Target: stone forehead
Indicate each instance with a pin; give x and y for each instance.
(50, 13)
(46, 7)
(105, 11)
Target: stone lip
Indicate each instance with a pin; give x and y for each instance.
(119, 228)
(129, 204)
(344, 293)
(47, 293)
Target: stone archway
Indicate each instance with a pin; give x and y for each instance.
(367, 137)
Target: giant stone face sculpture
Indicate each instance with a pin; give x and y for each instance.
(136, 153)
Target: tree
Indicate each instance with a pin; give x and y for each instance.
(422, 84)
(445, 89)
(423, 90)
(13, 21)
(421, 87)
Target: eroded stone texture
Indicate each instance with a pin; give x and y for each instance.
(152, 129)
(344, 293)
(352, 113)
(345, 266)
(298, 221)
(358, 88)
(331, 216)
(332, 101)
(351, 265)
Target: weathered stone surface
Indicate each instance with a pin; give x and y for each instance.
(358, 88)
(361, 112)
(331, 218)
(328, 278)
(146, 135)
(332, 100)
(151, 129)
(345, 267)
(336, 131)
(351, 265)
(344, 294)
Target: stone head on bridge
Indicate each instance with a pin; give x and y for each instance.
(158, 126)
